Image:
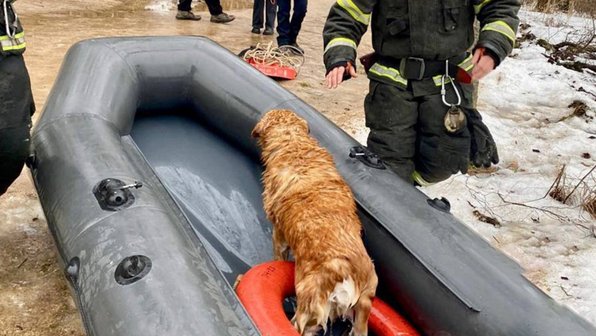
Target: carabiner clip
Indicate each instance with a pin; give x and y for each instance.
(443, 91)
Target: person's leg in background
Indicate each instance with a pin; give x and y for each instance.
(257, 16)
(16, 108)
(283, 22)
(217, 13)
(270, 13)
(298, 15)
(185, 11)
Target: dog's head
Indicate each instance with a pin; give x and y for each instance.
(286, 119)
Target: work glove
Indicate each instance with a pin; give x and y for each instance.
(483, 149)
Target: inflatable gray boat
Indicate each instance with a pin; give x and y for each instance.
(150, 183)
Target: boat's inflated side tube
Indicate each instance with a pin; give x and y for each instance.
(447, 278)
(135, 264)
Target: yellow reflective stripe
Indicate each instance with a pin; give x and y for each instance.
(437, 80)
(340, 41)
(15, 47)
(467, 63)
(354, 11)
(18, 42)
(390, 73)
(418, 179)
(17, 36)
(501, 27)
(478, 8)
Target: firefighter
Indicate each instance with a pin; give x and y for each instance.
(16, 99)
(419, 107)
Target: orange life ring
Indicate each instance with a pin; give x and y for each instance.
(263, 288)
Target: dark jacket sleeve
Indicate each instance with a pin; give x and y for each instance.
(498, 25)
(346, 23)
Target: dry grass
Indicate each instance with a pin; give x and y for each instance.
(588, 203)
(558, 189)
(585, 192)
(568, 6)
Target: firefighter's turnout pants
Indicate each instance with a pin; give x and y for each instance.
(16, 108)
(407, 130)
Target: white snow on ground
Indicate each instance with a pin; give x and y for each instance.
(525, 102)
(161, 6)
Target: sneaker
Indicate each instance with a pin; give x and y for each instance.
(291, 49)
(268, 31)
(187, 15)
(256, 31)
(222, 18)
(297, 47)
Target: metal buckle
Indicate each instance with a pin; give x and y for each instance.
(412, 68)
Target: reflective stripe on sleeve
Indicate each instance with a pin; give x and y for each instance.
(466, 64)
(391, 73)
(501, 27)
(478, 8)
(340, 41)
(354, 11)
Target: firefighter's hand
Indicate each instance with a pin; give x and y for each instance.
(483, 64)
(336, 75)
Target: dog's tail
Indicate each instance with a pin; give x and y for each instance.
(343, 298)
(316, 307)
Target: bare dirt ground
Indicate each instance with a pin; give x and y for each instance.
(34, 297)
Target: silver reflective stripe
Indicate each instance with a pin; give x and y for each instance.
(340, 41)
(354, 11)
(18, 42)
(391, 73)
(437, 80)
(501, 27)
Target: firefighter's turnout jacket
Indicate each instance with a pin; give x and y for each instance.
(12, 36)
(16, 99)
(429, 30)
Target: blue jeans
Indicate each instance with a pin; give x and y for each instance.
(214, 6)
(267, 6)
(289, 27)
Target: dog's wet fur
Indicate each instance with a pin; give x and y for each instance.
(314, 215)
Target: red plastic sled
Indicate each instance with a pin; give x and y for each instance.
(274, 70)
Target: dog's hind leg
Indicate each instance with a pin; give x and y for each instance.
(281, 249)
(362, 312)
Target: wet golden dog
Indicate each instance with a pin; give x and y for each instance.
(314, 214)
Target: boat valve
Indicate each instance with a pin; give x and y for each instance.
(135, 185)
(113, 194)
(367, 157)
